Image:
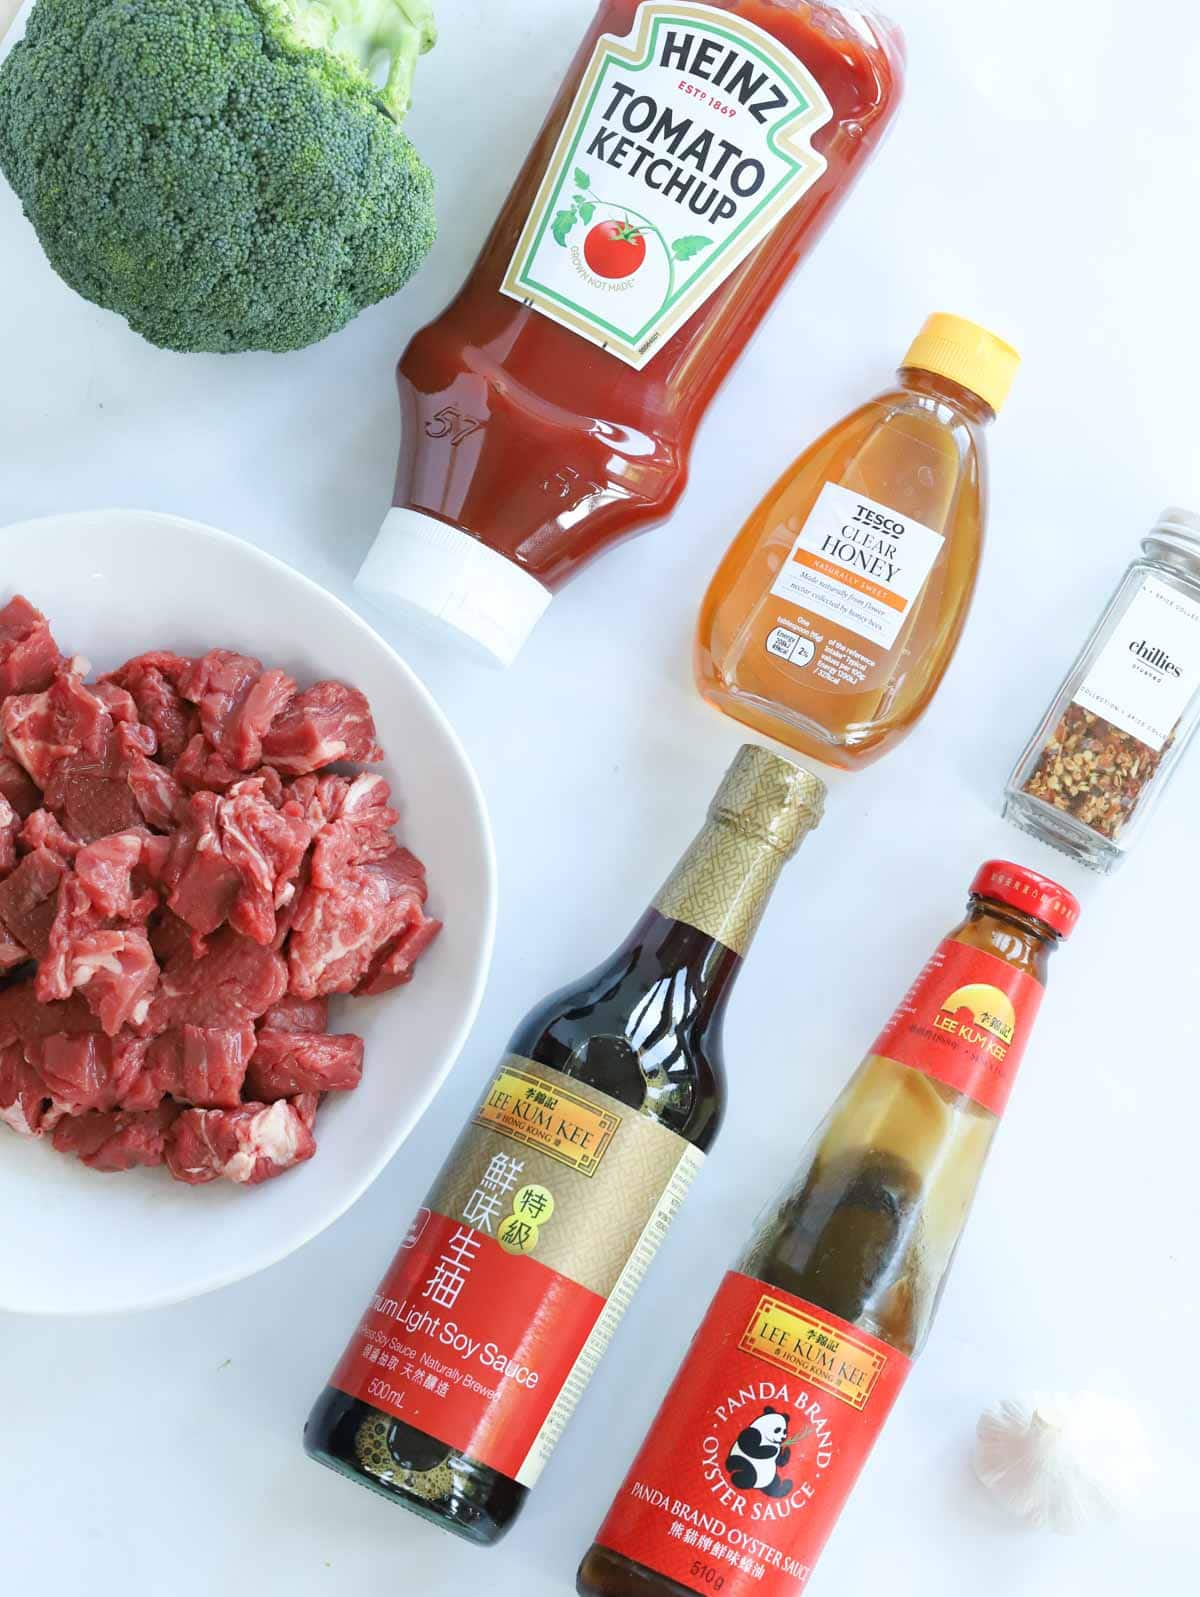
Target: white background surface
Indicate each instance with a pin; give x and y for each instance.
(1041, 178)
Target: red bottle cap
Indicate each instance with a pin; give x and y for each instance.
(1029, 891)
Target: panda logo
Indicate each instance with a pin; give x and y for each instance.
(759, 1453)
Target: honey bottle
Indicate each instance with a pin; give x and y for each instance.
(836, 611)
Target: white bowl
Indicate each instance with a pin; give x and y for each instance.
(116, 583)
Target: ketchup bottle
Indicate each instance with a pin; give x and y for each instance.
(692, 157)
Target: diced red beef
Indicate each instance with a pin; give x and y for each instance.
(63, 721)
(358, 831)
(203, 1065)
(119, 703)
(28, 896)
(90, 1072)
(122, 980)
(10, 827)
(29, 656)
(156, 792)
(23, 1096)
(393, 966)
(340, 929)
(304, 1015)
(247, 1145)
(237, 701)
(116, 1142)
(200, 769)
(12, 953)
(235, 981)
(326, 723)
(43, 829)
(286, 1063)
(106, 873)
(23, 1019)
(202, 883)
(153, 680)
(235, 858)
(17, 786)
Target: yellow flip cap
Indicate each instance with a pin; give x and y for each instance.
(967, 354)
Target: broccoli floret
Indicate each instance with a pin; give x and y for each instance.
(226, 174)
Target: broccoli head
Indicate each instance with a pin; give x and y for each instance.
(226, 174)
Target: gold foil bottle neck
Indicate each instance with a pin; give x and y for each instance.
(767, 798)
(763, 810)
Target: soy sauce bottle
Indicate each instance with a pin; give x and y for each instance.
(808, 1341)
(482, 1336)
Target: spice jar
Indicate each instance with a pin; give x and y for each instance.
(1107, 746)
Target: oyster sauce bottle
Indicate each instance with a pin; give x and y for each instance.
(485, 1330)
(808, 1341)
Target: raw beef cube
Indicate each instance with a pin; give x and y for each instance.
(28, 897)
(10, 826)
(235, 981)
(89, 1072)
(325, 723)
(118, 983)
(23, 1097)
(11, 952)
(153, 681)
(286, 1063)
(305, 1015)
(157, 794)
(203, 884)
(115, 966)
(105, 870)
(393, 966)
(29, 656)
(339, 930)
(23, 1019)
(65, 721)
(115, 1142)
(201, 769)
(266, 847)
(43, 829)
(23, 794)
(203, 1065)
(237, 700)
(248, 1145)
(92, 804)
(118, 702)
(358, 831)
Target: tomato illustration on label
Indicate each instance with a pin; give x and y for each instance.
(614, 249)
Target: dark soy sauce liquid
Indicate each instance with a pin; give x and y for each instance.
(645, 1028)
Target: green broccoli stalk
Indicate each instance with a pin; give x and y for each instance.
(225, 174)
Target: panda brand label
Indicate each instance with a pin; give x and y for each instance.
(757, 1446)
(1146, 673)
(965, 1021)
(515, 1273)
(688, 140)
(861, 565)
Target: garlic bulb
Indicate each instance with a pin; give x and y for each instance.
(1063, 1462)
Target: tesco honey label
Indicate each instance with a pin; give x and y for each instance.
(965, 1021)
(688, 141)
(516, 1271)
(860, 565)
(757, 1446)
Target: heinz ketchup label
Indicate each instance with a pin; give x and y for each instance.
(757, 1445)
(514, 1276)
(688, 141)
(965, 1021)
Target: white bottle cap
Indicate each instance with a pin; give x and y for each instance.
(438, 570)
